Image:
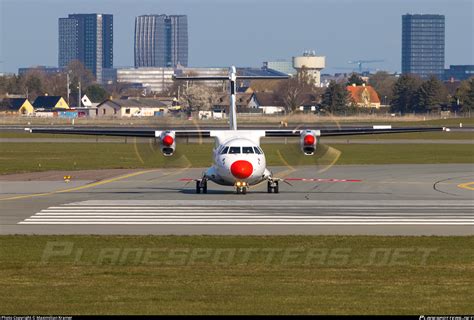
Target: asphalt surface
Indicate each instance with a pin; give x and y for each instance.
(390, 200)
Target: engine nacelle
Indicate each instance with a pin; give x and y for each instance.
(308, 142)
(168, 142)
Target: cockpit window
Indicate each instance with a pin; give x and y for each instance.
(234, 150)
(257, 150)
(247, 150)
(224, 151)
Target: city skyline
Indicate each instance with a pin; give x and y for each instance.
(264, 30)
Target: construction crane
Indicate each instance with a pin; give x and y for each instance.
(360, 62)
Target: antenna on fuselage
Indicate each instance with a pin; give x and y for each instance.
(232, 78)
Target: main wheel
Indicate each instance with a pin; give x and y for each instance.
(275, 188)
(198, 186)
(269, 187)
(204, 186)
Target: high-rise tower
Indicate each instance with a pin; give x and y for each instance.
(89, 39)
(161, 40)
(423, 44)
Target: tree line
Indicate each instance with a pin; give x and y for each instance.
(37, 83)
(404, 94)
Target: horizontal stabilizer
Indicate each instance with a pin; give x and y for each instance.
(224, 78)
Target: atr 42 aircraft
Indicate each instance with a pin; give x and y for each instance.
(238, 159)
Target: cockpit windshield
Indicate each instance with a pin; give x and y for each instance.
(234, 150)
(247, 150)
(238, 150)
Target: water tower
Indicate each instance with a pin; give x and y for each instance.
(312, 63)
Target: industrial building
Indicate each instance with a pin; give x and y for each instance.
(282, 66)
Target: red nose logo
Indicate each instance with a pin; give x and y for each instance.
(241, 169)
(168, 140)
(309, 139)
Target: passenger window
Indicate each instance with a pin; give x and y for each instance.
(224, 151)
(256, 150)
(234, 150)
(247, 150)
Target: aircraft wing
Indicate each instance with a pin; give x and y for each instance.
(150, 133)
(351, 131)
(125, 132)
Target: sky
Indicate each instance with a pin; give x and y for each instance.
(244, 32)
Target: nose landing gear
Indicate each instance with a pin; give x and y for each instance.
(241, 187)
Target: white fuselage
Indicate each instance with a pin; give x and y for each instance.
(237, 158)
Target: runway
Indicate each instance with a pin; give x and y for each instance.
(389, 200)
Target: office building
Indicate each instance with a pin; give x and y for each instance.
(459, 72)
(155, 79)
(43, 69)
(150, 79)
(89, 39)
(423, 41)
(161, 41)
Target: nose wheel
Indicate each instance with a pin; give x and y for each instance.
(241, 190)
(272, 186)
(201, 185)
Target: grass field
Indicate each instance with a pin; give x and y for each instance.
(238, 275)
(25, 157)
(464, 135)
(294, 119)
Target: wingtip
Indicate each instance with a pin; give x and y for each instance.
(446, 129)
(29, 130)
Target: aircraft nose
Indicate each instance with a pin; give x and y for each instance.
(241, 169)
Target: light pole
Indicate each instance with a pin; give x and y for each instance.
(79, 95)
(68, 84)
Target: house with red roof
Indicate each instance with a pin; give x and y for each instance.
(364, 96)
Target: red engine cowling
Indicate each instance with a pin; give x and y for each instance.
(168, 142)
(308, 142)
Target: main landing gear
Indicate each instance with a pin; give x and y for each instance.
(201, 185)
(272, 186)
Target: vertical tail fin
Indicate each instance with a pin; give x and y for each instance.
(233, 105)
(232, 78)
